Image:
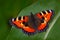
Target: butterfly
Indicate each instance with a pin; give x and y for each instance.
(34, 23)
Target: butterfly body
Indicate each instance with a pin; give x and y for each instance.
(33, 23)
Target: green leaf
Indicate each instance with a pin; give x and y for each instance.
(12, 8)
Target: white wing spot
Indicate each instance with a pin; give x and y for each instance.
(13, 19)
(41, 13)
(17, 19)
(46, 12)
(22, 18)
(50, 10)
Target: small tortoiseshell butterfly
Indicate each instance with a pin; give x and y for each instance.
(33, 23)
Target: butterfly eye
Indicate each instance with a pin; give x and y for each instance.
(43, 12)
(48, 11)
(19, 18)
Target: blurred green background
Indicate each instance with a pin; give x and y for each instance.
(14, 8)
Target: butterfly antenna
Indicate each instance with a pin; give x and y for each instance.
(32, 14)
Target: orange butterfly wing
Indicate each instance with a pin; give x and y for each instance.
(46, 16)
(19, 22)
